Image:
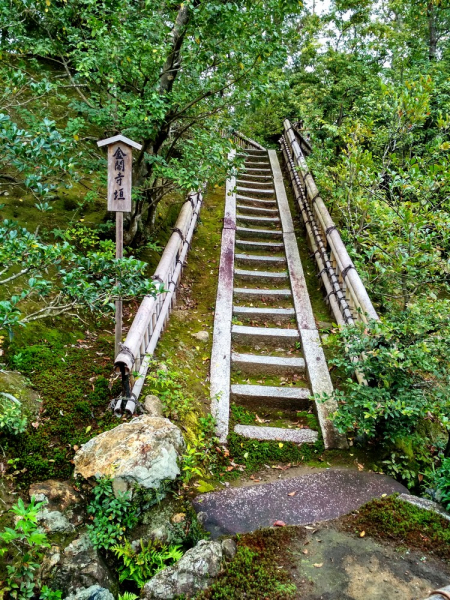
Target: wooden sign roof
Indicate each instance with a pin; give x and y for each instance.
(119, 138)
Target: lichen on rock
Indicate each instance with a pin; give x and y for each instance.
(144, 451)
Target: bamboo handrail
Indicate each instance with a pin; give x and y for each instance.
(153, 313)
(339, 262)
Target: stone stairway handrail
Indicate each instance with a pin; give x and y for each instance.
(153, 313)
(349, 278)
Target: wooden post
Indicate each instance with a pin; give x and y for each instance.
(119, 201)
(119, 254)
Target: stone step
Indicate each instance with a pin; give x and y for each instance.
(240, 188)
(254, 176)
(325, 495)
(273, 336)
(251, 293)
(273, 396)
(257, 219)
(256, 201)
(251, 151)
(263, 275)
(254, 259)
(262, 183)
(279, 434)
(251, 244)
(265, 313)
(254, 160)
(257, 364)
(261, 233)
(257, 210)
(245, 169)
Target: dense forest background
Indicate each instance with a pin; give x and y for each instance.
(369, 83)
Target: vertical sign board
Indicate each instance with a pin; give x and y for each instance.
(120, 162)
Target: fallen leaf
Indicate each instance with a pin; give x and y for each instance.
(362, 534)
(318, 565)
(292, 493)
(76, 447)
(280, 445)
(279, 524)
(305, 551)
(383, 495)
(88, 428)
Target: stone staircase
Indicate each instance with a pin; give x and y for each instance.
(266, 353)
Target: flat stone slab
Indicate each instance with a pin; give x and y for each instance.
(254, 232)
(318, 497)
(261, 245)
(278, 434)
(263, 364)
(262, 293)
(266, 275)
(425, 504)
(256, 258)
(267, 335)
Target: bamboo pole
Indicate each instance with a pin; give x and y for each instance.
(130, 351)
(346, 267)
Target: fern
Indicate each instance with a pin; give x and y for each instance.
(141, 566)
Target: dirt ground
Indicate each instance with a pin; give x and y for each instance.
(330, 564)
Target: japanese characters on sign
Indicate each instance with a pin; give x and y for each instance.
(119, 177)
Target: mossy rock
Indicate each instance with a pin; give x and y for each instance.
(12, 382)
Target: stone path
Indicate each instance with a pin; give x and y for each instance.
(318, 497)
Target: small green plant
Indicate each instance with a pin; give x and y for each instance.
(128, 596)
(48, 594)
(168, 385)
(11, 418)
(111, 516)
(25, 544)
(140, 566)
(443, 483)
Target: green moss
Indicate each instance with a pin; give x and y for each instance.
(254, 454)
(256, 572)
(405, 524)
(72, 380)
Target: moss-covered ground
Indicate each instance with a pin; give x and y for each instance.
(402, 524)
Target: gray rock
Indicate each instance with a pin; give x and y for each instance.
(153, 406)
(95, 592)
(120, 487)
(202, 336)
(229, 548)
(64, 508)
(80, 566)
(425, 504)
(192, 573)
(53, 521)
(12, 382)
(143, 451)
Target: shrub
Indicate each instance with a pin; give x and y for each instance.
(25, 543)
(111, 516)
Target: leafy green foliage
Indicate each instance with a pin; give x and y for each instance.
(443, 483)
(140, 566)
(405, 362)
(11, 418)
(90, 281)
(24, 545)
(48, 594)
(112, 516)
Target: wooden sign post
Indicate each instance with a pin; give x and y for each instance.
(120, 163)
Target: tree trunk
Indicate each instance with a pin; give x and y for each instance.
(432, 34)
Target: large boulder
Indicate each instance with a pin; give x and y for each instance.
(78, 566)
(143, 451)
(191, 574)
